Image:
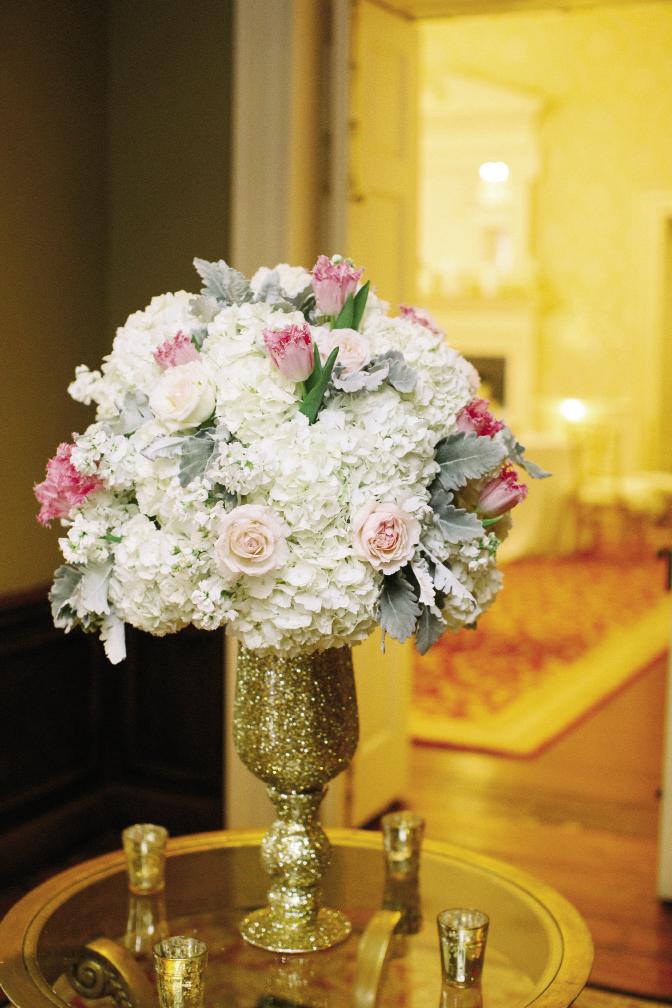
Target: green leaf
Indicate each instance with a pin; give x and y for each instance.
(345, 317)
(311, 381)
(429, 628)
(108, 537)
(399, 609)
(466, 456)
(359, 304)
(310, 406)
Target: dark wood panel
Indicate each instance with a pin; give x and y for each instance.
(50, 711)
(88, 747)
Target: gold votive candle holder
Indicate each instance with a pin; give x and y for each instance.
(402, 841)
(463, 933)
(179, 963)
(145, 849)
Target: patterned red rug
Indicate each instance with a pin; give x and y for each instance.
(564, 634)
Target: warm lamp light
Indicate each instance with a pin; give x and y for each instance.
(573, 410)
(494, 171)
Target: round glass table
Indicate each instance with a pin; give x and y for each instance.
(539, 950)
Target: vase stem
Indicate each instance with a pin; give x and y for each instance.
(295, 727)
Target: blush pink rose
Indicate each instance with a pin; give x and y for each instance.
(64, 487)
(476, 418)
(252, 540)
(291, 350)
(175, 351)
(332, 282)
(385, 535)
(354, 352)
(501, 493)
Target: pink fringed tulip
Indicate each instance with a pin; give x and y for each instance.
(476, 418)
(64, 487)
(332, 282)
(501, 493)
(291, 350)
(175, 351)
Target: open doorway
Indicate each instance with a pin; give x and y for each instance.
(544, 292)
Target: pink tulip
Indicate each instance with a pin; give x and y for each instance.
(501, 493)
(64, 487)
(332, 282)
(291, 351)
(175, 351)
(476, 418)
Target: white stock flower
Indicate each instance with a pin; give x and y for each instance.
(183, 397)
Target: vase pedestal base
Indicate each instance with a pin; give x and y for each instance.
(263, 929)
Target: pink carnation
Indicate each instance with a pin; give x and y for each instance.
(476, 418)
(422, 318)
(175, 351)
(332, 282)
(501, 493)
(64, 487)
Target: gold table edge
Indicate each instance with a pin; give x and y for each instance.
(20, 928)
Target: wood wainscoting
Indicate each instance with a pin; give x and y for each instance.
(88, 748)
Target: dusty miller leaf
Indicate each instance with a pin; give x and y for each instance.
(113, 636)
(400, 376)
(399, 609)
(429, 628)
(516, 453)
(94, 585)
(165, 446)
(195, 454)
(368, 378)
(446, 582)
(456, 524)
(466, 456)
(134, 413)
(223, 282)
(425, 581)
(62, 596)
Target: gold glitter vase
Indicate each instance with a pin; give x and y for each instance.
(295, 727)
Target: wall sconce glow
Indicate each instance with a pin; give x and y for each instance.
(494, 171)
(573, 410)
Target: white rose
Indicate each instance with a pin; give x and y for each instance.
(354, 352)
(251, 541)
(183, 397)
(385, 535)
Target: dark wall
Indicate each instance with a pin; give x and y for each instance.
(115, 120)
(169, 146)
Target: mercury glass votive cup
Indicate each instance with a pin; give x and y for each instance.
(402, 842)
(463, 934)
(145, 849)
(179, 963)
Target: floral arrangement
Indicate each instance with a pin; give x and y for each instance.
(282, 457)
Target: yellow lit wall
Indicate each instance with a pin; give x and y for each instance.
(605, 76)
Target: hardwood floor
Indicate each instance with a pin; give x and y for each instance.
(583, 817)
